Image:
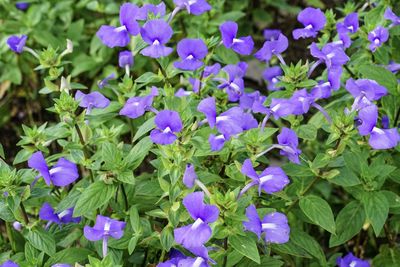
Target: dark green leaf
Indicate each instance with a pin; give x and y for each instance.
(245, 246)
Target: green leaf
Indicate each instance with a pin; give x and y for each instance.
(22, 155)
(245, 246)
(226, 56)
(42, 240)
(308, 243)
(126, 177)
(148, 77)
(93, 197)
(348, 223)
(135, 219)
(376, 209)
(307, 131)
(167, 238)
(319, 212)
(70, 256)
(132, 244)
(381, 75)
(387, 257)
(138, 153)
(144, 129)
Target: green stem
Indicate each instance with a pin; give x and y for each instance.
(226, 253)
(125, 197)
(303, 193)
(85, 151)
(24, 214)
(10, 236)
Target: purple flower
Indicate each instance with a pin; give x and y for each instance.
(301, 101)
(289, 142)
(217, 142)
(367, 119)
(175, 256)
(271, 34)
(350, 24)
(393, 67)
(271, 75)
(22, 5)
(9, 263)
(191, 52)
(321, 90)
(364, 91)
(182, 93)
(271, 180)
(242, 45)
(280, 107)
(254, 102)
(385, 122)
(332, 55)
(156, 33)
(234, 85)
(351, 261)
(274, 225)
(61, 265)
(125, 59)
(379, 138)
(196, 234)
(377, 37)
(47, 213)
(313, 20)
(119, 36)
(156, 10)
(17, 226)
(168, 123)
(91, 100)
(62, 174)
(211, 70)
(104, 82)
(195, 7)
(16, 43)
(104, 228)
(190, 176)
(194, 262)
(392, 17)
(136, 106)
(273, 47)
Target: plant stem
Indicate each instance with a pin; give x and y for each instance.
(303, 192)
(10, 236)
(349, 71)
(125, 197)
(85, 152)
(24, 214)
(226, 254)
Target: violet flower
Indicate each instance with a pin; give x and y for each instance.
(364, 91)
(274, 225)
(313, 20)
(17, 226)
(195, 7)
(61, 265)
(351, 261)
(377, 37)
(190, 179)
(271, 76)
(16, 43)
(47, 213)
(136, 106)
(156, 10)
(289, 142)
(104, 228)
(22, 5)
(234, 85)
(183, 93)
(119, 36)
(175, 256)
(271, 34)
(211, 70)
(194, 262)
(156, 33)
(91, 100)
(198, 233)
(242, 45)
(332, 55)
(350, 24)
(271, 180)
(104, 82)
(125, 60)
(379, 138)
(168, 123)
(9, 263)
(63, 173)
(389, 14)
(191, 52)
(253, 102)
(393, 66)
(273, 47)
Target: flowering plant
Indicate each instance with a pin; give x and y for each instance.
(166, 146)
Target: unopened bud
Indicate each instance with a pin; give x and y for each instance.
(17, 226)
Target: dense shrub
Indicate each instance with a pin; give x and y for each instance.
(199, 133)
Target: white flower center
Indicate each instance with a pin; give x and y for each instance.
(353, 264)
(120, 29)
(377, 130)
(330, 55)
(308, 27)
(55, 170)
(190, 57)
(274, 80)
(275, 108)
(197, 223)
(63, 214)
(107, 227)
(235, 87)
(167, 130)
(235, 40)
(376, 41)
(156, 42)
(267, 226)
(266, 178)
(198, 262)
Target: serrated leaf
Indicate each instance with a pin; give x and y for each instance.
(42, 240)
(93, 197)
